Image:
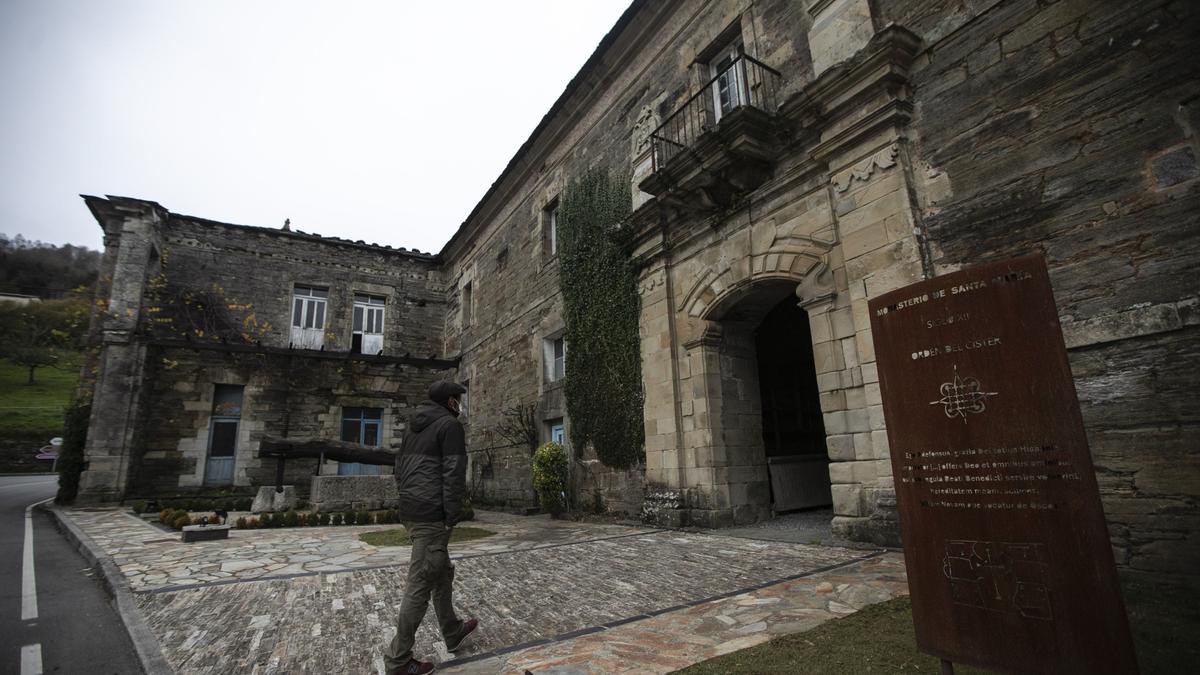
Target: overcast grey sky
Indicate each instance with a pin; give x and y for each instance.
(381, 121)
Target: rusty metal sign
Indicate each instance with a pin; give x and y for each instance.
(1009, 562)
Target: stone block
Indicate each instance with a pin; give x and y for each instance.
(268, 500)
(341, 493)
(839, 30)
(832, 401)
(847, 499)
(875, 417)
(863, 446)
(193, 533)
(879, 439)
(840, 447)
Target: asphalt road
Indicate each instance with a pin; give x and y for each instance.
(71, 627)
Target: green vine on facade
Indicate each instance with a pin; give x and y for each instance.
(599, 285)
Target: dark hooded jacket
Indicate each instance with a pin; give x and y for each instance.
(431, 469)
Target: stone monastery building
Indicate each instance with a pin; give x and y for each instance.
(789, 160)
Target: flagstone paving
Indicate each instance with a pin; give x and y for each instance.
(151, 558)
(552, 596)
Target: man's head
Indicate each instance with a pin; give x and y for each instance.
(448, 394)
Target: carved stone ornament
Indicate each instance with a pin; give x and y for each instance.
(643, 126)
(883, 159)
(816, 292)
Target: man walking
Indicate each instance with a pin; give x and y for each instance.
(431, 473)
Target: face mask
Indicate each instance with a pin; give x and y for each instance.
(458, 408)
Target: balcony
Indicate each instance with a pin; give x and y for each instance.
(721, 143)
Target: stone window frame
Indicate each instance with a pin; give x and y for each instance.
(468, 302)
(549, 221)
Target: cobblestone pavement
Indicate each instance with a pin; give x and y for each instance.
(153, 558)
(552, 596)
(340, 622)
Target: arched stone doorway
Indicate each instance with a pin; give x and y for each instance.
(769, 439)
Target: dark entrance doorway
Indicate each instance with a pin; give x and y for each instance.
(792, 427)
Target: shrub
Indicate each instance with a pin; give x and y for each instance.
(323, 519)
(138, 506)
(362, 518)
(468, 511)
(243, 504)
(253, 523)
(301, 520)
(180, 520)
(240, 523)
(336, 519)
(550, 478)
(291, 519)
(165, 515)
(348, 518)
(70, 455)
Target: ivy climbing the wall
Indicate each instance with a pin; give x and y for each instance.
(599, 284)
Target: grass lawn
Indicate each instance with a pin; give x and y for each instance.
(877, 639)
(34, 411)
(880, 639)
(399, 536)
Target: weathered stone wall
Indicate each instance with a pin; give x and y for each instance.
(255, 269)
(284, 395)
(192, 303)
(500, 251)
(1070, 128)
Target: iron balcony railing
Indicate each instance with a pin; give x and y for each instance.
(746, 82)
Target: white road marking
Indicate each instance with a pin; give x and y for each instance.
(29, 610)
(31, 660)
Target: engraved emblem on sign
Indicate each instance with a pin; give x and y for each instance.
(999, 577)
(961, 396)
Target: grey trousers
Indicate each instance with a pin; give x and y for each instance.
(429, 574)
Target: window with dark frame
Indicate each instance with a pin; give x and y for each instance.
(223, 434)
(365, 427)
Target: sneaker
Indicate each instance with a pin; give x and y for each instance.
(413, 667)
(468, 627)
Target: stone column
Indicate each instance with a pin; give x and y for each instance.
(864, 115)
(133, 226)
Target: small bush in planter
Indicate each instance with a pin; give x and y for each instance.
(550, 478)
(291, 519)
(240, 523)
(336, 519)
(165, 515)
(138, 507)
(180, 520)
(324, 519)
(348, 518)
(468, 511)
(362, 518)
